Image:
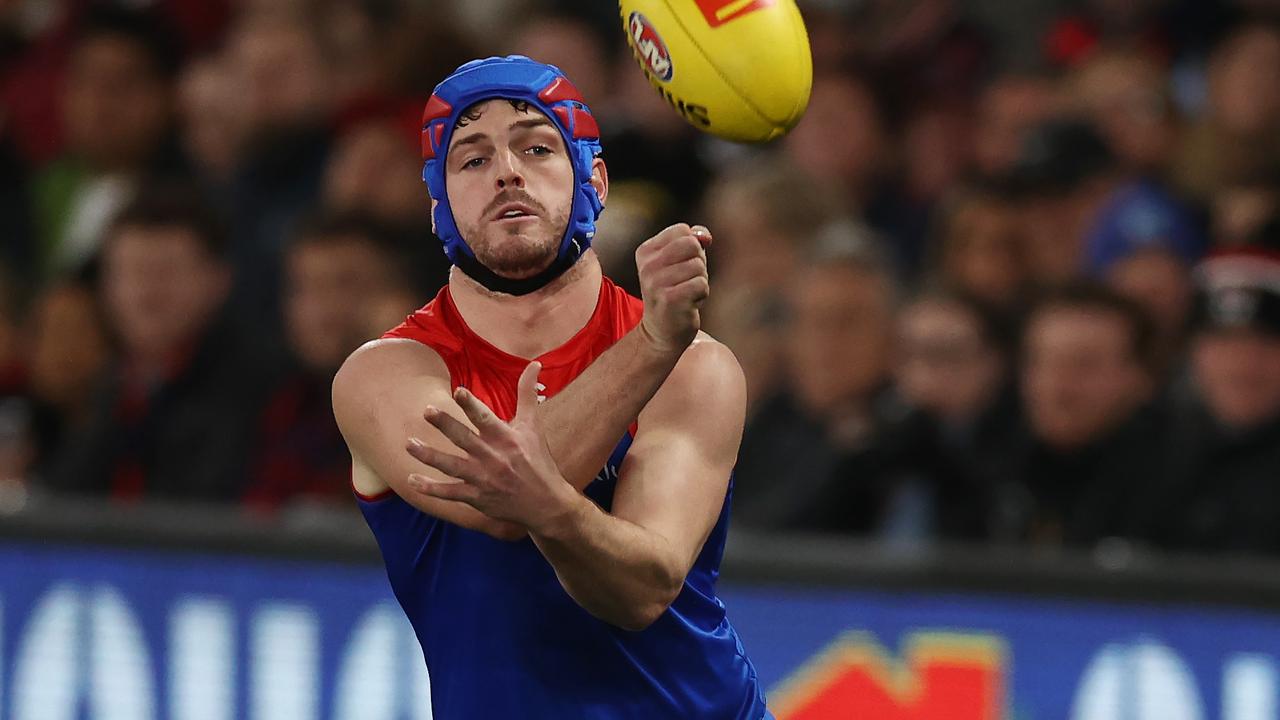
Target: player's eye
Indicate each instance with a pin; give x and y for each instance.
(474, 162)
(540, 150)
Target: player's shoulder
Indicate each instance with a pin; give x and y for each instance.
(378, 366)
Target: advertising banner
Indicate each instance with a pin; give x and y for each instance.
(103, 634)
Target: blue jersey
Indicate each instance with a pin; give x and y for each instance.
(501, 637)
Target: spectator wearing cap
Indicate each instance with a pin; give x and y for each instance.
(1093, 436)
(173, 418)
(1063, 175)
(1084, 216)
(1224, 495)
(1143, 244)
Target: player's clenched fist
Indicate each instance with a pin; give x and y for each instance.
(673, 284)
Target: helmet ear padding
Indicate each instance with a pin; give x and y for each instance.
(546, 89)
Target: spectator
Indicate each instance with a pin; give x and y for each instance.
(336, 272)
(1077, 37)
(421, 47)
(286, 105)
(1125, 94)
(929, 48)
(212, 126)
(1007, 109)
(117, 112)
(1244, 204)
(173, 419)
(350, 33)
(979, 249)
(842, 143)
(68, 350)
(1240, 133)
(1063, 176)
(763, 215)
(1224, 495)
(35, 39)
(375, 169)
(952, 361)
(1145, 250)
(1094, 439)
(1082, 215)
(836, 352)
(571, 44)
(936, 153)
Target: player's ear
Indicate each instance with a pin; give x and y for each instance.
(433, 215)
(600, 179)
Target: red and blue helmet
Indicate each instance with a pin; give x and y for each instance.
(545, 88)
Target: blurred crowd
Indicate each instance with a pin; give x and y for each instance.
(1014, 278)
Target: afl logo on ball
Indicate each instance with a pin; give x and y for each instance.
(649, 48)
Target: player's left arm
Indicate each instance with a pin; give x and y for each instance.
(626, 567)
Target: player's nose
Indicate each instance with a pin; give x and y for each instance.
(508, 170)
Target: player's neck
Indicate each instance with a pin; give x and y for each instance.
(530, 325)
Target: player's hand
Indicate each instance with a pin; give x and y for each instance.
(504, 470)
(673, 283)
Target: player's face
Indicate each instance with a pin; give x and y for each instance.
(510, 185)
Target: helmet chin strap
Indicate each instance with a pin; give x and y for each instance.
(497, 283)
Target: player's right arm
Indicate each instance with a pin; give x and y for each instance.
(378, 396)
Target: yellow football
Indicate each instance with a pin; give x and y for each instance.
(739, 69)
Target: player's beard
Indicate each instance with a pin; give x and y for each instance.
(519, 251)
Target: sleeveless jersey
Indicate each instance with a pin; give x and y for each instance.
(501, 637)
